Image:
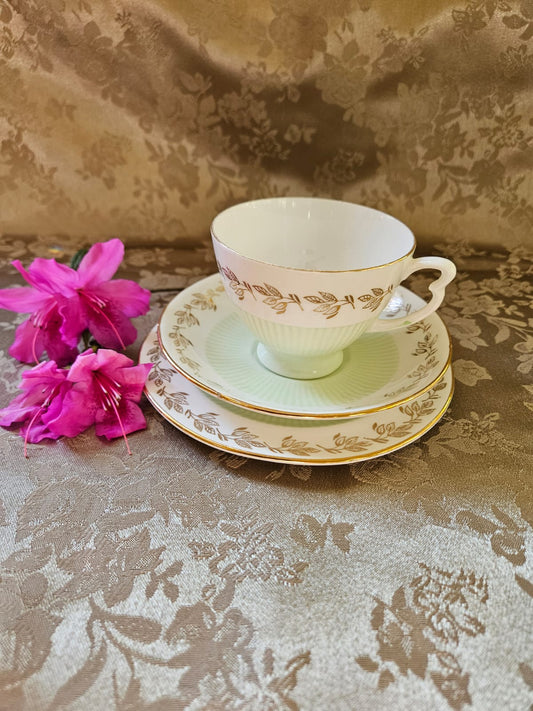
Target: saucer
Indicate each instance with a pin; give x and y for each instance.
(293, 441)
(203, 338)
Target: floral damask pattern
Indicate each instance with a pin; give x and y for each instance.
(184, 577)
(146, 120)
(417, 633)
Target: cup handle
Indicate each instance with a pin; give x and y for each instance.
(437, 288)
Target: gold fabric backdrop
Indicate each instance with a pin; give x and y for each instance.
(144, 119)
(184, 578)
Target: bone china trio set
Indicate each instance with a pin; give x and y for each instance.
(304, 347)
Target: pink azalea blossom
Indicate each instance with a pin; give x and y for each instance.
(105, 305)
(42, 331)
(106, 387)
(63, 302)
(40, 404)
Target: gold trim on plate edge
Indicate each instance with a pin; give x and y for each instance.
(208, 303)
(208, 421)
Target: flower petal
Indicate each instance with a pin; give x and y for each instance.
(110, 327)
(82, 368)
(57, 349)
(28, 345)
(45, 374)
(30, 340)
(49, 276)
(78, 411)
(110, 361)
(23, 299)
(41, 386)
(101, 262)
(131, 416)
(125, 295)
(36, 432)
(132, 380)
(73, 320)
(18, 410)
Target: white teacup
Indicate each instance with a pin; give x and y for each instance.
(310, 276)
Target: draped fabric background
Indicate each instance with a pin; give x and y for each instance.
(144, 119)
(187, 578)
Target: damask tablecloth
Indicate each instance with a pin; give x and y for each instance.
(182, 577)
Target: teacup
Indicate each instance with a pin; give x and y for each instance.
(310, 275)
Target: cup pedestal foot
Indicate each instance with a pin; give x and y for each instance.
(299, 367)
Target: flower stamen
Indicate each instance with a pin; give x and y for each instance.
(121, 426)
(41, 320)
(109, 390)
(26, 436)
(98, 305)
(110, 397)
(34, 341)
(46, 404)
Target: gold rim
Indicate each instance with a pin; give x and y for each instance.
(317, 271)
(303, 415)
(319, 462)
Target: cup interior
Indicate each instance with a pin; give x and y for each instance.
(313, 234)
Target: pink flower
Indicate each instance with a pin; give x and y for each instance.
(42, 331)
(63, 302)
(40, 404)
(106, 387)
(104, 306)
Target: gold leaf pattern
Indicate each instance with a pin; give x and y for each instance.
(385, 434)
(373, 300)
(325, 303)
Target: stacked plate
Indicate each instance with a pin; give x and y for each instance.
(206, 380)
